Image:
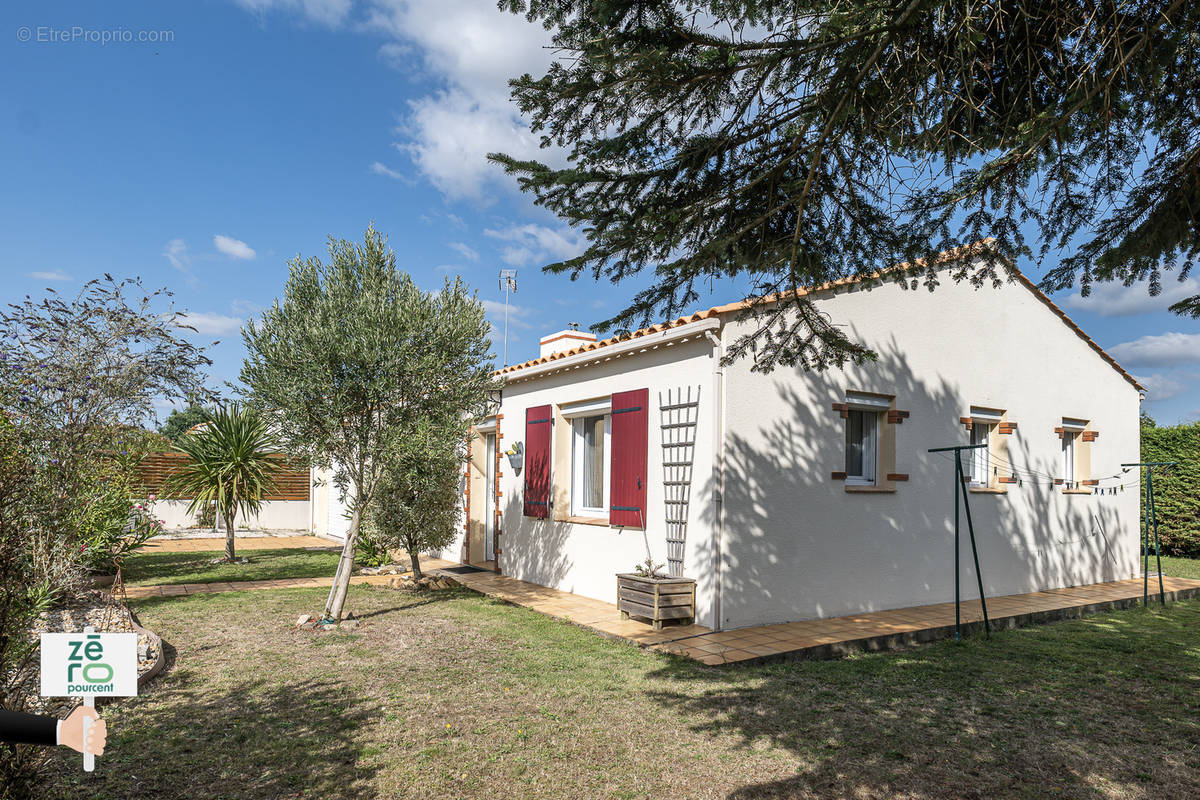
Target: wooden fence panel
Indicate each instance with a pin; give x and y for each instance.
(291, 483)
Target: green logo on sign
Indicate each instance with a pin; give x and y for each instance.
(86, 671)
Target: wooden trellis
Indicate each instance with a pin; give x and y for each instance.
(679, 414)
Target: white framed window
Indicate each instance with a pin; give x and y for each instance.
(591, 447)
(1068, 458)
(1071, 430)
(862, 446)
(979, 465)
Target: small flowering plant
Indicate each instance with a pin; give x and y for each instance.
(648, 569)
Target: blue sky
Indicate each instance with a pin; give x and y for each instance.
(253, 129)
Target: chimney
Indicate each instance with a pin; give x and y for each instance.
(564, 340)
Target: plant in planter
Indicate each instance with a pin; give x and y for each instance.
(516, 457)
(650, 594)
(648, 569)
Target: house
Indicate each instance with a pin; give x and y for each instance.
(796, 495)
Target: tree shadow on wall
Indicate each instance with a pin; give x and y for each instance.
(798, 546)
(531, 549)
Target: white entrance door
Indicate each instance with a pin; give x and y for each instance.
(338, 520)
(489, 502)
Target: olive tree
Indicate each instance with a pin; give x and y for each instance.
(417, 508)
(351, 360)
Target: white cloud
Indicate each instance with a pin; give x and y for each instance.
(468, 50)
(49, 276)
(473, 49)
(234, 248)
(516, 256)
(215, 324)
(1163, 350)
(449, 134)
(1118, 300)
(530, 242)
(246, 308)
(1161, 386)
(325, 12)
(395, 55)
(518, 316)
(465, 250)
(176, 252)
(380, 168)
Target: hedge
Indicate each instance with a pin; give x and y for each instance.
(1176, 489)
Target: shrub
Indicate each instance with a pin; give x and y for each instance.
(111, 524)
(371, 550)
(22, 597)
(77, 380)
(1176, 489)
(417, 507)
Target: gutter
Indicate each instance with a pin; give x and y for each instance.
(718, 355)
(639, 344)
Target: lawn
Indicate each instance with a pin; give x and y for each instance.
(455, 695)
(149, 567)
(1178, 567)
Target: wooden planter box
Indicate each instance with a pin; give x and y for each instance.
(656, 599)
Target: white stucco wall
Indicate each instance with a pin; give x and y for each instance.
(329, 512)
(798, 546)
(584, 558)
(275, 515)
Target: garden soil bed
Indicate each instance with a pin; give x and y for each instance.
(103, 613)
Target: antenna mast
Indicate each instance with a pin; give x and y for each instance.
(508, 282)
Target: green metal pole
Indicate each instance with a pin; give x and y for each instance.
(1162, 598)
(958, 476)
(1146, 543)
(987, 625)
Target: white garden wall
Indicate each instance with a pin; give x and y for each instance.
(275, 515)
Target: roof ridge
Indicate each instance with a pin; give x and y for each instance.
(953, 254)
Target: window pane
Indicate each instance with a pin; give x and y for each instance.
(1068, 453)
(870, 423)
(980, 463)
(854, 443)
(593, 462)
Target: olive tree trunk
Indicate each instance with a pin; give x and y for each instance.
(341, 579)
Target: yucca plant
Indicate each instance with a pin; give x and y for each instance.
(230, 466)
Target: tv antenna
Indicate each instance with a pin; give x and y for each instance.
(508, 282)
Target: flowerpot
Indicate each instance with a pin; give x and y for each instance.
(103, 581)
(656, 599)
(516, 458)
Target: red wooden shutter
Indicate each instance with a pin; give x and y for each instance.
(537, 461)
(627, 491)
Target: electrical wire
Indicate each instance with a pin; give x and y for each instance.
(1025, 474)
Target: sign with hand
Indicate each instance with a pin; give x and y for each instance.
(89, 665)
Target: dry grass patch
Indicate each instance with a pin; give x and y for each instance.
(451, 694)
